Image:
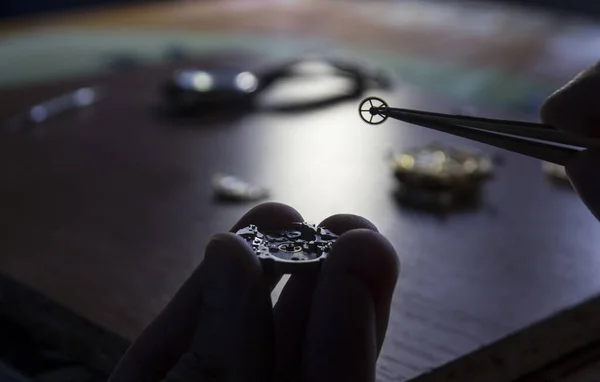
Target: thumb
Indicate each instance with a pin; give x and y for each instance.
(584, 173)
(234, 336)
(576, 106)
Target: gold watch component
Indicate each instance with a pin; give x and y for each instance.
(442, 167)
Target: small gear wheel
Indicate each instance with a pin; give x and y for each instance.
(371, 110)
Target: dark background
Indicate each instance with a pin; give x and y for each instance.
(15, 8)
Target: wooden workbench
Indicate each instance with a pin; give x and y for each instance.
(106, 211)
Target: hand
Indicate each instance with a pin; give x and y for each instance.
(576, 108)
(220, 326)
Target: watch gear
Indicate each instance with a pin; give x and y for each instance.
(370, 110)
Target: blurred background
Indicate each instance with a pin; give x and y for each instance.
(133, 130)
(12, 8)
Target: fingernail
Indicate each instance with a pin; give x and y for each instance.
(574, 107)
(341, 223)
(366, 254)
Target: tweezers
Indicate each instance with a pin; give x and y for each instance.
(535, 140)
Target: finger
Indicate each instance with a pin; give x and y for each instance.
(576, 106)
(341, 223)
(350, 310)
(269, 216)
(583, 172)
(163, 342)
(234, 337)
(293, 307)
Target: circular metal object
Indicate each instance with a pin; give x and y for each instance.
(442, 167)
(301, 248)
(290, 248)
(370, 110)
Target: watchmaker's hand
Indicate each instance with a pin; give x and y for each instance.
(220, 325)
(576, 108)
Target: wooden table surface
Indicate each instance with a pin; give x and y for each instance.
(106, 211)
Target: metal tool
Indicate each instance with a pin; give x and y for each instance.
(41, 112)
(532, 139)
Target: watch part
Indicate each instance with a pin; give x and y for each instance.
(300, 248)
(369, 110)
(228, 187)
(442, 167)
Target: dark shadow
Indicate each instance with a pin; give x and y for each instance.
(194, 119)
(561, 184)
(224, 200)
(440, 203)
